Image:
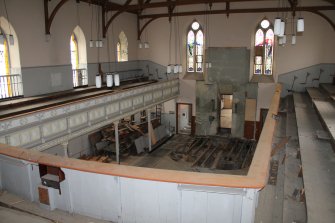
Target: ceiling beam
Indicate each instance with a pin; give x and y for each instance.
(149, 4)
(315, 9)
(234, 11)
(48, 19)
(109, 6)
(105, 27)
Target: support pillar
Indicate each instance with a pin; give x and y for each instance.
(117, 144)
(65, 148)
(149, 129)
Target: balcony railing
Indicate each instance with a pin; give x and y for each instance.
(10, 86)
(79, 77)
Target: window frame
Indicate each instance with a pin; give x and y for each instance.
(263, 49)
(122, 55)
(195, 55)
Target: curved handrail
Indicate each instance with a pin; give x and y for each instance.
(256, 177)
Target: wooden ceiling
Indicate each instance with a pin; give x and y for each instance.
(111, 9)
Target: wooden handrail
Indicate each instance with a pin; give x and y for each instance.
(256, 177)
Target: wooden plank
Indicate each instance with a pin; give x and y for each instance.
(280, 145)
(217, 160)
(330, 88)
(326, 110)
(318, 164)
(315, 93)
(202, 155)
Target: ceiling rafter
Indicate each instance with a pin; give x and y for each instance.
(232, 11)
(48, 19)
(119, 12)
(313, 9)
(178, 3)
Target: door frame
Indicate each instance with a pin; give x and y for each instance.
(190, 115)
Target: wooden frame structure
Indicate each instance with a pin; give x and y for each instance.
(257, 176)
(116, 10)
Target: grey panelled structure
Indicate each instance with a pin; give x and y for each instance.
(44, 129)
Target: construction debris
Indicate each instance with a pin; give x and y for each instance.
(215, 152)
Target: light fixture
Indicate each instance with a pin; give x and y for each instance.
(169, 68)
(180, 68)
(97, 43)
(109, 79)
(98, 80)
(91, 43)
(100, 43)
(280, 40)
(140, 45)
(284, 39)
(116, 79)
(208, 65)
(146, 45)
(282, 28)
(300, 25)
(277, 26)
(176, 68)
(294, 40)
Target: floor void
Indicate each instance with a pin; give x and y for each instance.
(211, 154)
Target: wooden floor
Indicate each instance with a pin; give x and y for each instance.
(277, 203)
(23, 105)
(318, 163)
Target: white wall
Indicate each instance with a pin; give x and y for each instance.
(121, 199)
(36, 51)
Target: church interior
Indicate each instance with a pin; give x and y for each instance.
(167, 111)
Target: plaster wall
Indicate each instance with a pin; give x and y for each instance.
(48, 61)
(35, 50)
(314, 46)
(228, 75)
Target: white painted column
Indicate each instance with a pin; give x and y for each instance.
(65, 148)
(117, 144)
(149, 129)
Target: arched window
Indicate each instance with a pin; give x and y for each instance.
(74, 60)
(122, 48)
(78, 58)
(264, 46)
(195, 46)
(10, 67)
(5, 81)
